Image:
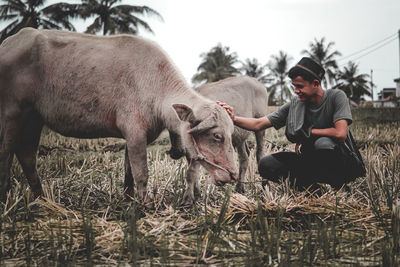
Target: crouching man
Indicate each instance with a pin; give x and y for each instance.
(317, 121)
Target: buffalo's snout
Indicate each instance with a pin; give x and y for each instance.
(227, 177)
(234, 177)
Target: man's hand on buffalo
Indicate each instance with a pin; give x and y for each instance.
(228, 109)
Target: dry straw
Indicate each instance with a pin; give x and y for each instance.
(85, 219)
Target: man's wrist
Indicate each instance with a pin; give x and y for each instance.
(234, 120)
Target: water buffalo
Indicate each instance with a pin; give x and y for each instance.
(88, 86)
(249, 98)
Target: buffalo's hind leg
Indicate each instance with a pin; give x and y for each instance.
(26, 150)
(20, 137)
(8, 136)
(260, 141)
(6, 158)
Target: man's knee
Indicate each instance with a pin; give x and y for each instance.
(324, 143)
(271, 168)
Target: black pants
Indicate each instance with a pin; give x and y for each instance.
(319, 162)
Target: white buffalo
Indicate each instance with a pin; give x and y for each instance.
(249, 98)
(88, 86)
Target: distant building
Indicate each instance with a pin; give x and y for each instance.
(387, 93)
(397, 81)
(389, 97)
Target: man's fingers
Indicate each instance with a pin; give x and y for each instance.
(224, 105)
(228, 109)
(297, 148)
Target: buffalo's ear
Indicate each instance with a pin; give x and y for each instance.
(184, 112)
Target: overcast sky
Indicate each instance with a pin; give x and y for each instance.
(260, 28)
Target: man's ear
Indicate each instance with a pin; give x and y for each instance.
(316, 82)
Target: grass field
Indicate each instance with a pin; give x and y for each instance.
(85, 220)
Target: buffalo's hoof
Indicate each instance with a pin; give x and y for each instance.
(129, 194)
(37, 193)
(187, 201)
(239, 188)
(148, 203)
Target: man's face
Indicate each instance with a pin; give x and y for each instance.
(305, 90)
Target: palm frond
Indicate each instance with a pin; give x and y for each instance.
(8, 17)
(217, 64)
(125, 21)
(61, 11)
(12, 6)
(6, 31)
(353, 84)
(323, 54)
(95, 26)
(11, 29)
(48, 24)
(145, 10)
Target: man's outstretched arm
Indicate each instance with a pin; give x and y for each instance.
(251, 124)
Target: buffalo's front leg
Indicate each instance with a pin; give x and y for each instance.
(192, 191)
(137, 158)
(128, 182)
(243, 152)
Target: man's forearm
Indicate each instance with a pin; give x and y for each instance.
(252, 124)
(339, 132)
(329, 132)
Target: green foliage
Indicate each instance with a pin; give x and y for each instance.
(279, 91)
(322, 53)
(353, 84)
(26, 13)
(111, 18)
(217, 64)
(252, 68)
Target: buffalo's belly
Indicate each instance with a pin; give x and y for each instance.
(84, 132)
(81, 129)
(80, 123)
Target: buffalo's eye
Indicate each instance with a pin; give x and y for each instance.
(218, 137)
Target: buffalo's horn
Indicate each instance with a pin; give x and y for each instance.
(205, 125)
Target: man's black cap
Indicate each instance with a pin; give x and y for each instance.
(311, 66)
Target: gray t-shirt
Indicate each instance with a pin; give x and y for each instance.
(334, 106)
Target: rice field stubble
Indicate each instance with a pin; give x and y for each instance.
(84, 218)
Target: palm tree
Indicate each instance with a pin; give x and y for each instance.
(279, 67)
(31, 13)
(353, 84)
(322, 54)
(217, 64)
(112, 19)
(252, 68)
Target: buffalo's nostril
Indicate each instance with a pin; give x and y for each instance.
(234, 177)
(175, 153)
